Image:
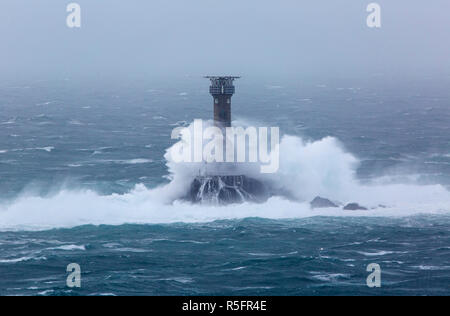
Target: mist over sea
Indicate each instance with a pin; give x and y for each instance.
(84, 179)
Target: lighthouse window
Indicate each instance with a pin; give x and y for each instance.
(228, 101)
(216, 101)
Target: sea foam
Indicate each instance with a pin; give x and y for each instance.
(307, 169)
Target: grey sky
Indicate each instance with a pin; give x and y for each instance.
(257, 37)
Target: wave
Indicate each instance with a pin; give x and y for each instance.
(141, 206)
(21, 259)
(307, 169)
(135, 161)
(68, 247)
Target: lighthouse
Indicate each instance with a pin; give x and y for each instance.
(221, 184)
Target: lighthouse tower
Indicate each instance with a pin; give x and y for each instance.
(220, 185)
(222, 89)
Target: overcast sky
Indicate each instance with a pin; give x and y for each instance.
(248, 37)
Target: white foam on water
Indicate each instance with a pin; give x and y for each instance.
(47, 149)
(69, 247)
(307, 169)
(21, 259)
(137, 161)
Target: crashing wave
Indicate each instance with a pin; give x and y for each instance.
(307, 170)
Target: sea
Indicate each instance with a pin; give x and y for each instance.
(85, 178)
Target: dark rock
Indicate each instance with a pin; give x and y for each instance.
(320, 202)
(354, 207)
(225, 190)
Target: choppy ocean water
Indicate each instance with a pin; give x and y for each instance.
(83, 179)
